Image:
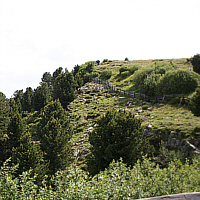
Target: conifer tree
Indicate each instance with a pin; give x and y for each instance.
(47, 78)
(65, 88)
(15, 130)
(18, 95)
(42, 96)
(27, 99)
(117, 135)
(54, 132)
(28, 155)
(4, 121)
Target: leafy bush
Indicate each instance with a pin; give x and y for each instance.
(134, 68)
(123, 69)
(177, 82)
(117, 134)
(195, 60)
(145, 179)
(105, 75)
(105, 60)
(194, 104)
(125, 74)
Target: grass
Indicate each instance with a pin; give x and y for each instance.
(163, 117)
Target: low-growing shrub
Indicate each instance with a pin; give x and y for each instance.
(125, 74)
(176, 82)
(105, 75)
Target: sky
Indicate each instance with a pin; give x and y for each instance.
(38, 36)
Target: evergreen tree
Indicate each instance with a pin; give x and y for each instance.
(4, 121)
(76, 70)
(15, 129)
(27, 99)
(42, 96)
(54, 132)
(65, 88)
(117, 134)
(29, 155)
(47, 78)
(56, 74)
(17, 96)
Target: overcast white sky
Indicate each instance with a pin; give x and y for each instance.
(38, 36)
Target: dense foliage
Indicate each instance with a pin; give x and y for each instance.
(177, 82)
(145, 79)
(195, 60)
(37, 140)
(194, 104)
(118, 181)
(117, 134)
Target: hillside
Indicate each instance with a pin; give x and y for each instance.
(143, 116)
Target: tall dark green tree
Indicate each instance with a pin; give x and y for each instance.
(15, 130)
(18, 96)
(28, 155)
(41, 96)
(47, 78)
(23, 150)
(54, 132)
(27, 99)
(4, 121)
(117, 134)
(65, 88)
(57, 72)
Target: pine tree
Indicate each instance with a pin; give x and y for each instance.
(117, 135)
(47, 78)
(4, 121)
(18, 95)
(27, 100)
(15, 130)
(28, 155)
(54, 132)
(65, 88)
(41, 96)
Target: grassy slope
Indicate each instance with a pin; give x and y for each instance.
(95, 100)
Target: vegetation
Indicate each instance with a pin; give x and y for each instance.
(74, 139)
(117, 135)
(194, 104)
(195, 60)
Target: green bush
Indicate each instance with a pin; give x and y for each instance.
(134, 68)
(125, 74)
(123, 69)
(145, 179)
(105, 75)
(117, 134)
(194, 104)
(195, 60)
(177, 82)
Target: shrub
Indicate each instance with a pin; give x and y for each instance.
(105, 60)
(117, 134)
(123, 69)
(177, 82)
(133, 68)
(125, 74)
(126, 59)
(106, 74)
(194, 104)
(195, 60)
